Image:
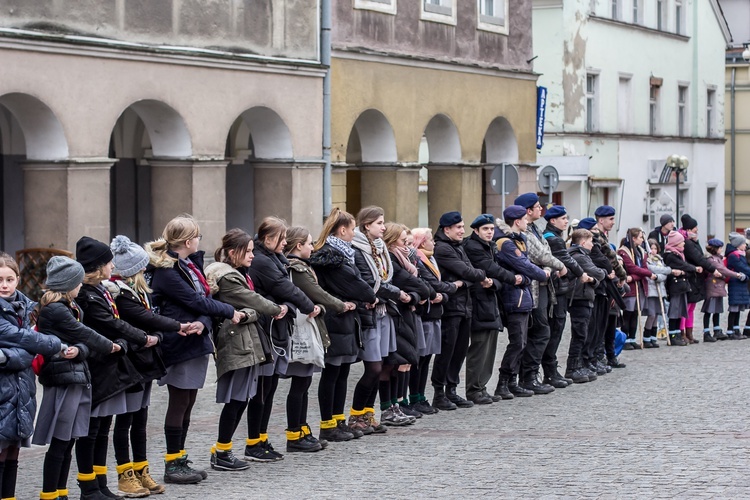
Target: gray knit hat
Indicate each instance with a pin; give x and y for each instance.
(736, 239)
(63, 274)
(129, 257)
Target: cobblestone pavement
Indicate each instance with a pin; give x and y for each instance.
(673, 424)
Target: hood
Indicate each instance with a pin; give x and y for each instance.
(298, 264)
(216, 271)
(552, 229)
(578, 249)
(327, 256)
(159, 259)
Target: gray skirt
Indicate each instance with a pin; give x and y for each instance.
(421, 343)
(190, 374)
(19, 443)
(678, 306)
(341, 360)
(432, 337)
(64, 414)
(380, 341)
(238, 385)
(737, 308)
(713, 305)
(125, 402)
(653, 307)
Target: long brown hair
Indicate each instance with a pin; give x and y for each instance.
(296, 235)
(271, 228)
(336, 219)
(237, 240)
(365, 217)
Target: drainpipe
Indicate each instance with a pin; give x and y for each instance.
(325, 59)
(732, 167)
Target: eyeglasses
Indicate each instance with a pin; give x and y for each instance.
(200, 237)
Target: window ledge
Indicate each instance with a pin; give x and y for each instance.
(383, 6)
(640, 27)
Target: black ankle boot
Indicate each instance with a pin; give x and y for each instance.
(517, 390)
(502, 387)
(441, 402)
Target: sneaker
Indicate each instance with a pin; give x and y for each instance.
(258, 453)
(203, 474)
(409, 411)
(176, 472)
(602, 364)
(377, 428)
(225, 460)
(358, 425)
(425, 408)
(144, 476)
(130, 486)
(335, 435)
(392, 417)
(397, 408)
(269, 448)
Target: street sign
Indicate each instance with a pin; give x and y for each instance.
(504, 180)
(548, 179)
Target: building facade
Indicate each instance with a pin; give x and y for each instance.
(426, 96)
(632, 82)
(116, 116)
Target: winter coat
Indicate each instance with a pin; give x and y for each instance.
(674, 261)
(486, 311)
(541, 255)
(660, 238)
(238, 345)
(341, 278)
(717, 287)
(639, 272)
(738, 291)
(513, 255)
(602, 244)
(384, 290)
(148, 360)
(559, 250)
(432, 312)
(656, 265)
(405, 321)
(306, 280)
(110, 375)
(19, 343)
(454, 265)
(59, 319)
(585, 291)
(694, 255)
(176, 296)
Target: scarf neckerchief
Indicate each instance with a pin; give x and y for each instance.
(402, 254)
(342, 246)
(380, 264)
(426, 257)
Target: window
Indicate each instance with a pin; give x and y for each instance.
(661, 15)
(592, 104)
(439, 11)
(637, 11)
(615, 9)
(682, 100)
(653, 110)
(624, 107)
(679, 21)
(385, 6)
(493, 16)
(710, 105)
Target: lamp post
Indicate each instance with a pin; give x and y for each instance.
(678, 164)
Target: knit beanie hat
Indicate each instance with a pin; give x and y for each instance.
(129, 257)
(92, 254)
(736, 239)
(688, 222)
(63, 274)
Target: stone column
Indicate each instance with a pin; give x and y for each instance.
(193, 186)
(395, 189)
(64, 200)
(290, 190)
(454, 187)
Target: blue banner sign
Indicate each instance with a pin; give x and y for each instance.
(541, 107)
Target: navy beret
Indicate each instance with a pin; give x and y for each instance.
(605, 211)
(526, 200)
(514, 212)
(586, 223)
(450, 218)
(716, 242)
(483, 220)
(555, 211)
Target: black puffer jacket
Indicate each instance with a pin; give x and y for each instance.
(486, 309)
(341, 278)
(433, 312)
(694, 255)
(455, 266)
(59, 319)
(405, 321)
(110, 375)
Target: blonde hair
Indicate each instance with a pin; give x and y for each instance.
(421, 234)
(51, 296)
(7, 261)
(138, 283)
(393, 232)
(94, 277)
(176, 233)
(336, 219)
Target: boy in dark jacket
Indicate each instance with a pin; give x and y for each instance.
(581, 304)
(516, 300)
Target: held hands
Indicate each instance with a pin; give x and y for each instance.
(629, 279)
(698, 269)
(71, 352)
(546, 271)
(315, 312)
(677, 272)
(151, 340)
(115, 348)
(611, 275)
(741, 276)
(350, 306)
(284, 310)
(237, 317)
(487, 283)
(438, 299)
(717, 274)
(519, 279)
(562, 272)
(458, 283)
(404, 297)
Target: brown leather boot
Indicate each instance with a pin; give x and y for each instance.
(689, 335)
(685, 340)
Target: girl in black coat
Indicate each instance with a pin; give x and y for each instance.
(132, 298)
(271, 279)
(333, 262)
(64, 414)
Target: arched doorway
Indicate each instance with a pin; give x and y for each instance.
(146, 129)
(499, 146)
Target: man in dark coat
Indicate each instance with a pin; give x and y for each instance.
(454, 265)
(485, 320)
(660, 233)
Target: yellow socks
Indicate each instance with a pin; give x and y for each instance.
(328, 424)
(252, 442)
(171, 457)
(139, 466)
(49, 495)
(122, 468)
(91, 476)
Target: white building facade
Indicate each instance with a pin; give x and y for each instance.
(631, 82)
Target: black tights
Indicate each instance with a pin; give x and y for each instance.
(130, 430)
(674, 325)
(734, 322)
(402, 381)
(630, 323)
(8, 471)
(296, 403)
(332, 390)
(92, 449)
(177, 419)
(56, 466)
(419, 375)
(229, 420)
(259, 408)
(716, 318)
(367, 384)
(384, 386)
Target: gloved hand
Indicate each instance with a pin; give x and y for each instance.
(741, 276)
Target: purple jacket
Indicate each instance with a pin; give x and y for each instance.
(717, 287)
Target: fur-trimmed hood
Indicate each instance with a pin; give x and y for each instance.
(216, 271)
(328, 256)
(159, 259)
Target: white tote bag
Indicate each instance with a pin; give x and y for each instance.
(307, 346)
